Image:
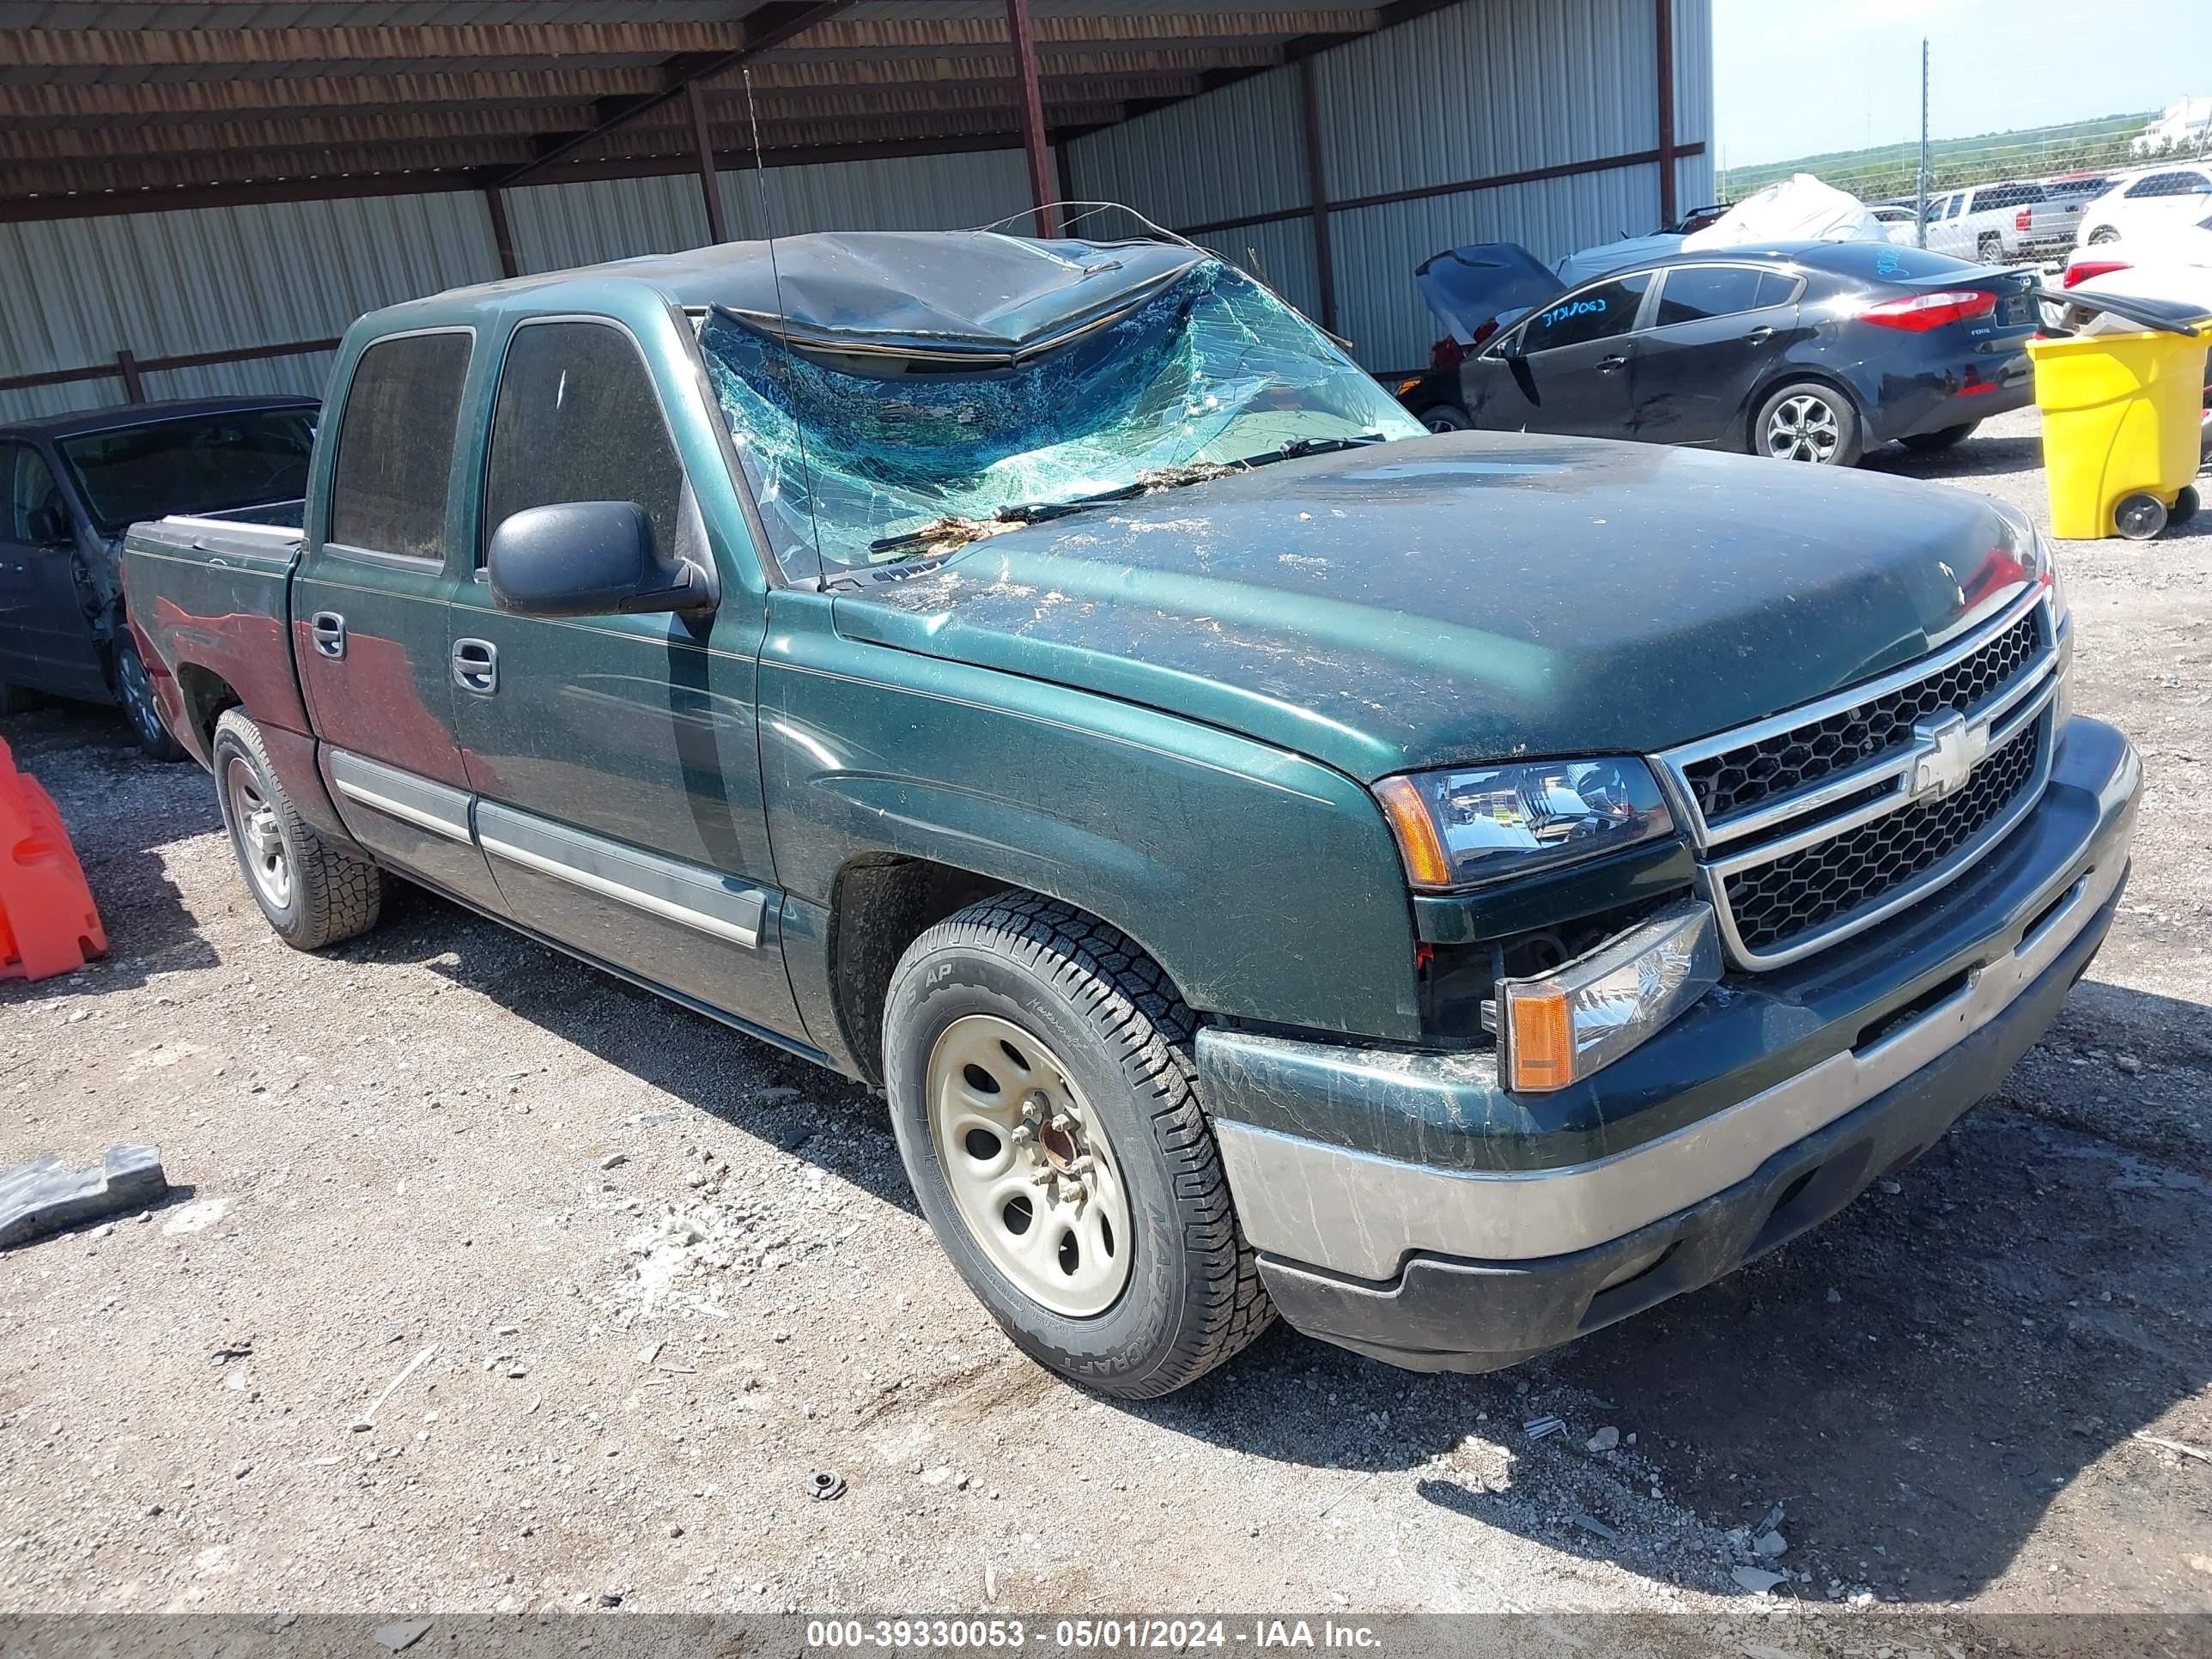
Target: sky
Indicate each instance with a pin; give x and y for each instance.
(1994, 64)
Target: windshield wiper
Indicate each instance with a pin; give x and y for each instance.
(1299, 447)
(953, 531)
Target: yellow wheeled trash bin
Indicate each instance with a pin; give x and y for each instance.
(2121, 436)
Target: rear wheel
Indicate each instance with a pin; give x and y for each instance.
(1808, 421)
(2103, 236)
(1446, 418)
(2185, 506)
(1044, 1093)
(312, 894)
(1989, 250)
(2139, 518)
(1948, 438)
(133, 686)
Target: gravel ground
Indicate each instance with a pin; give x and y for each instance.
(657, 1276)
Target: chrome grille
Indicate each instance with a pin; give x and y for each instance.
(1821, 821)
(1806, 889)
(1737, 780)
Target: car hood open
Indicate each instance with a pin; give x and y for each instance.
(1469, 597)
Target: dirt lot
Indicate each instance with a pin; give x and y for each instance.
(663, 1275)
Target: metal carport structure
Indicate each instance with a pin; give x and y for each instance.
(198, 197)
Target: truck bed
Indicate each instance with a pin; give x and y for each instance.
(210, 599)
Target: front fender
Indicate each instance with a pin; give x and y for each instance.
(1266, 884)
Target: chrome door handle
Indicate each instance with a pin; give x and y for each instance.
(329, 630)
(476, 666)
(1609, 365)
(1759, 335)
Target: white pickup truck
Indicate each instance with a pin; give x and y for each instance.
(1999, 224)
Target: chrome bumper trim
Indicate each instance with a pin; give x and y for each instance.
(1361, 1215)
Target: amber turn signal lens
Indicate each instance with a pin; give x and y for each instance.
(1417, 842)
(1541, 1049)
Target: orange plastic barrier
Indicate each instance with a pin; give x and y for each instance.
(48, 922)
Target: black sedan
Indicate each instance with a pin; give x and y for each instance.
(1807, 352)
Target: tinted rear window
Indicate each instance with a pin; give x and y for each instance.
(1694, 293)
(395, 445)
(1881, 262)
(205, 464)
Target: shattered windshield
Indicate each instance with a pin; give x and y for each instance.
(874, 462)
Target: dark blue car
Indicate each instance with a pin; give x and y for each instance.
(1809, 352)
(71, 484)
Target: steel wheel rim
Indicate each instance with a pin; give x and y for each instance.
(137, 690)
(1032, 1172)
(260, 842)
(1805, 428)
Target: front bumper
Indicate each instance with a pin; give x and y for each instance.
(1406, 1206)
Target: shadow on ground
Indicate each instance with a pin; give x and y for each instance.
(121, 811)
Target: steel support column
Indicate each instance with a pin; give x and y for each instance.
(716, 232)
(1317, 191)
(1663, 16)
(1023, 35)
(502, 233)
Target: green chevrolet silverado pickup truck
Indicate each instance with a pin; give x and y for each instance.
(1453, 891)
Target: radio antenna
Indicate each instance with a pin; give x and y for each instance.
(783, 324)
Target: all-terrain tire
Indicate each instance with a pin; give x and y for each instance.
(328, 895)
(1116, 1026)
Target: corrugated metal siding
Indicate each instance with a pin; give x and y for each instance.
(1495, 87)
(74, 291)
(1693, 73)
(1377, 248)
(1222, 155)
(557, 225)
(1282, 253)
(909, 192)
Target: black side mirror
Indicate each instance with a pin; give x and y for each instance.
(48, 525)
(590, 559)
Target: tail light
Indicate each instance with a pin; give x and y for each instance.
(1924, 311)
(2021, 219)
(2083, 269)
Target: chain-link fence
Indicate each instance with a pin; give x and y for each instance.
(1890, 173)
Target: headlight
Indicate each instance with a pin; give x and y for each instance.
(2035, 558)
(2036, 562)
(1461, 827)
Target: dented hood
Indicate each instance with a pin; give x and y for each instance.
(1468, 597)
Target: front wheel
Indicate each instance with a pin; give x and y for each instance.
(1043, 1094)
(133, 686)
(1808, 421)
(312, 894)
(1446, 418)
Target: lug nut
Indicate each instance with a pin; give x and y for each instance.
(1063, 1122)
(1023, 1135)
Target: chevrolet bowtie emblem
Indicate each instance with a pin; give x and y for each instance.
(1948, 752)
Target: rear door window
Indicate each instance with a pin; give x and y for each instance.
(395, 445)
(2167, 184)
(1694, 293)
(1595, 313)
(578, 419)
